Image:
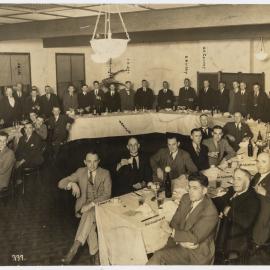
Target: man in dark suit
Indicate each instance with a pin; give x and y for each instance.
(58, 125)
(242, 99)
(198, 152)
(20, 95)
(187, 95)
(165, 97)
(233, 92)
(144, 97)
(205, 129)
(10, 108)
(127, 96)
(177, 159)
(239, 208)
(112, 100)
(191, 229)
(47, 102)
(219, 150)
(32, 102)
(258, 104)
(133, 170)
(84, 99)
(207, 97)
(222, 97)
(237, 131)
(90, 185)
(29, 150)
(96, 97)
(261, 184)
(70, 99)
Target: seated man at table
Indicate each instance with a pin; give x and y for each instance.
(219, 150)
(239, 208)
(29, 150)
(261, 184)
(90, 185)
(177, 159)
(206, 130)
(191, 229)
(84, 99)
(7, 160)
(59, 125)
(237, 131)
(198, 151)
(133, 170)
(41, 128)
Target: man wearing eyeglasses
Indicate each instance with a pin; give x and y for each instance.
(90, 185)
(219, 149)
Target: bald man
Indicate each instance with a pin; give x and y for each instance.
(261, 184)
(238, 209)
(133, 169)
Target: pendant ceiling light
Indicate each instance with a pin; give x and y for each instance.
(261, 55)
(108, 47)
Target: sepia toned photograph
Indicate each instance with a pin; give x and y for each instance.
(134, 133)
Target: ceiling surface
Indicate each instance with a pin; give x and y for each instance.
(21, 13)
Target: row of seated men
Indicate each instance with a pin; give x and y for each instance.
(252, 103)
(244, 208)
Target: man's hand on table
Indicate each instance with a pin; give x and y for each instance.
(260, 190)
(19, 163)
(87, 207)
(160, 174)
(139, 185)
(75, 189)
(226, 211)
(189, 245)
(213, 154)
(231, 138)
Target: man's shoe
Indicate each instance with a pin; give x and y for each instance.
(71, 254)
(94, 259)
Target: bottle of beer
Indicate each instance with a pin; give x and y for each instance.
(259, 136)
(250, 149)
(168, 186)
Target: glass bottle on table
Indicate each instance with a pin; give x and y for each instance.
(250, 148)
(259, 138)
(168, 183)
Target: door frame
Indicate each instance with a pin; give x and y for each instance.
(69, 54)
(21, 53)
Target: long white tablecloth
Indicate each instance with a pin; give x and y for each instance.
(125, 124)
(124, 237)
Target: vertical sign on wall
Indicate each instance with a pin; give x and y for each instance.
(204, 56)
(186, 64)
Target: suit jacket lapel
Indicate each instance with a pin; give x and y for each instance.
(193, 217)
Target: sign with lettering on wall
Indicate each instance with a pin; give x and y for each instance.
(186, 64)
(204, 57)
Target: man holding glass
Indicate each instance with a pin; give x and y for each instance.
(219, 150)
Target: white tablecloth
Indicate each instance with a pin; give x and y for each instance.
(125, 124)
(124, 238)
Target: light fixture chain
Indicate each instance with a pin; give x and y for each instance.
(123, 24)
(95, 29)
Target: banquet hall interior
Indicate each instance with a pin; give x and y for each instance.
(156, 98)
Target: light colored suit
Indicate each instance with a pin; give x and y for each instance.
(197, 227)
(98, 192)
(222, 147)
(7, 160)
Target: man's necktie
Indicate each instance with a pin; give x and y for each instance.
(134, 164)
(90, 179)
(198, 150)
(171, 155)
(189, 211)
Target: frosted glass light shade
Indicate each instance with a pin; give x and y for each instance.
(109, 47)
(262, 55)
